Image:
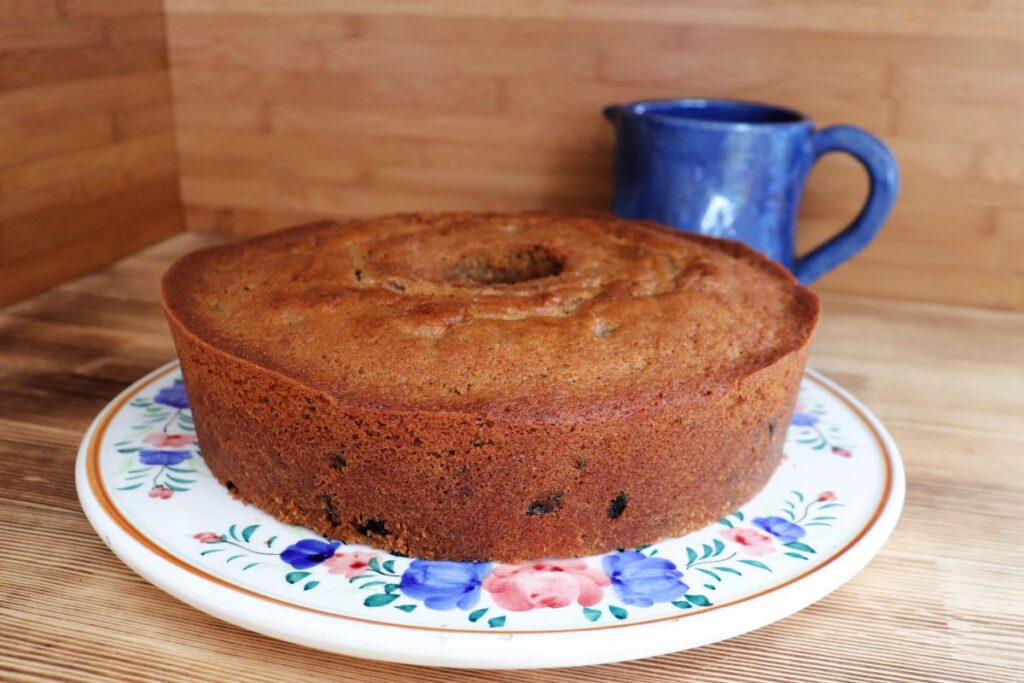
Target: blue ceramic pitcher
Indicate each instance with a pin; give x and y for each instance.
(737, 169)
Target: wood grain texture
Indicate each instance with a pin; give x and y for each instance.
(88, 162)
(941, 602)
(316, 107)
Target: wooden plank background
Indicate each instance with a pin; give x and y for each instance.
(88, 166)
(290, 109)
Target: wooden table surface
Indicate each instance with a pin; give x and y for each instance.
(943, 601)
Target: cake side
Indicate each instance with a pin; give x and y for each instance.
(463, 486)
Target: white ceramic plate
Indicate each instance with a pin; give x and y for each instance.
(822, 517)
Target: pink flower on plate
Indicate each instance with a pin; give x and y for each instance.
(827, 496)
(161, 440)
(548, 583)
(161, 492)
(754, 543)
(349, 564)
(207, 537)
(842, 452)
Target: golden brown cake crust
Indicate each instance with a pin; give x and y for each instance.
(490, 386)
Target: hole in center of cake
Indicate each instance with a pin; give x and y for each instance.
(519, 264)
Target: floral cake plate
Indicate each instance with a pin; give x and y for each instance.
(826, 512)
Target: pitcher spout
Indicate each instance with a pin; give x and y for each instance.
(611, 112)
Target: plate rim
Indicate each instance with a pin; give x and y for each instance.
(138, 551)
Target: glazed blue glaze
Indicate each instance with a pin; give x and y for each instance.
(737, 170)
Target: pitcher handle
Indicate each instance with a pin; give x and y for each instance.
(884, 178)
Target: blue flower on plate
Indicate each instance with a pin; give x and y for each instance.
(782, 529)
(804, 420)
(173, 396)
(641, 580)
(164, 458)
(308, 552)
(444, 585)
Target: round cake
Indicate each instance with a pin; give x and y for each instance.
(490, 386)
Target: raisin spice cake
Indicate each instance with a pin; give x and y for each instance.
(490, 386)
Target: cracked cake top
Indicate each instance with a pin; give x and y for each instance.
(479, 312)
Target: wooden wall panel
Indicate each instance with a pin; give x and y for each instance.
(290, 109)
(88, 162)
